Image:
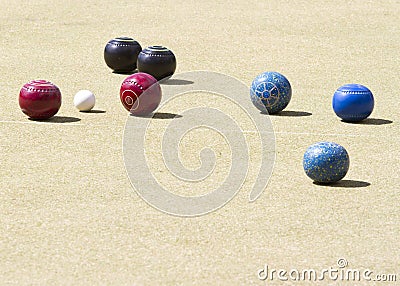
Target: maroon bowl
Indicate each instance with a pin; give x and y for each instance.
(40, 99)
(140, 94)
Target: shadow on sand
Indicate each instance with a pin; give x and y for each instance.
(292, 113)
(58, 119)
(372, 121)
(160, 115)
(94, 111)
(175, 81)
(346, 184)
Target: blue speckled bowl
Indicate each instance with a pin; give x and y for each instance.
(326, 162)
(270, 92)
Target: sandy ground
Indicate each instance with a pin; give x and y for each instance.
(68, 213)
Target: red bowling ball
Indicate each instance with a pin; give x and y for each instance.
(140, 94)
(40, 99)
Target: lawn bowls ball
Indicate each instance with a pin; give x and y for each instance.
(326, 162)
(84, 100)
(140, 94)
(158, 61)
(40, 99)
(353, 102)
(120, 54)
(270, 92)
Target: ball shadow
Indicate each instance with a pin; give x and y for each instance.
(292, 113)
(345, 184)
(58, 119)
(166, 115)
(175, 81)
(289, 113)
(94, 111)
(159, 115)
(371, 121)
(125, 72)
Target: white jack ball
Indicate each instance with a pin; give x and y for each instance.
(84, 100)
